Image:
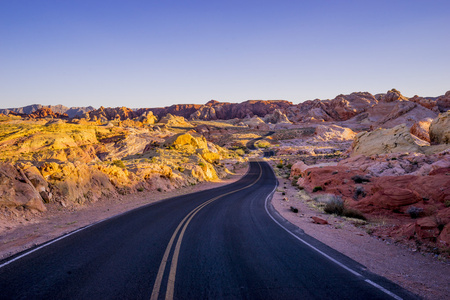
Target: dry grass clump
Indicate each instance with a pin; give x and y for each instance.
(336, 206)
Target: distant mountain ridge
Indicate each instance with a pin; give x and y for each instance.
(362, 107)
(60, 109)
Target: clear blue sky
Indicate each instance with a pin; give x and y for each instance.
(163, 52)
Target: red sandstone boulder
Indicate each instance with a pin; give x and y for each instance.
(421, 129)
(393, 95)
(440, 129)
(427, 228)
(318, 220)
(429, 103)
(45, 112)
(443, 102)
(444, 236)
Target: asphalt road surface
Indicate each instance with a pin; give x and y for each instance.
(223, 243)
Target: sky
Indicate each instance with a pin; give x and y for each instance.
(156, 53)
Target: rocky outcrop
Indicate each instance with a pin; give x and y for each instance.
(381, 141)
(440, 129)
(393, 95)
(109, 113)
(418, 201)
(277, 117)
(148, 118)
(429, 103)
(333, 133)
(256, 123)
(172, 120)
(46, 113)
(215, 110)
(443, 102)
(60, 109)
(182, 110)
(341, 108)
(421, 129)
(17, 191)
(77, 183)
(397, 164)
(391, 114)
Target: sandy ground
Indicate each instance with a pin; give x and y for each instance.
(420, 273)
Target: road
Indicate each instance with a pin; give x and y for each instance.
(223, 243)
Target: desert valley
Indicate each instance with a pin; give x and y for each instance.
(378, 163)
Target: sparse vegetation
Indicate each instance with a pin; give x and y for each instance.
(119, 163)
(263, 144)
(317, 188)
(240, 152)
(360, 179)
(414, 212)
(294, 209)
(336, 206)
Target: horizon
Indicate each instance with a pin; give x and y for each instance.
(155, 54)
(293, 103)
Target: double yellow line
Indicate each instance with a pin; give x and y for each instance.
(173, 265)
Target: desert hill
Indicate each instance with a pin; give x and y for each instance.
(357, 108)
(384, 156)
(61, 109)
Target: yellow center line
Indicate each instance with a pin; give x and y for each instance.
(174, 262)
(162, 267)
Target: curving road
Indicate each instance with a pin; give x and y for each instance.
(223, 243)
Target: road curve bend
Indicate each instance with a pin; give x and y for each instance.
(222, 243)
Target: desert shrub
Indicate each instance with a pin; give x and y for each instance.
(280, 165)
(263, 144)
(335, 206)
(140, 189)
(181, 169)
(289, 166)
(353, 213)
(359, 191)
(294, 209)
(360, 179)
(414, 212)
(201, 164)
(240, 152)
(119, 163)
(447, 203)
(283, 193)
(317, 188)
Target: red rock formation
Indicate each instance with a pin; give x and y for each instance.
(393, 95)
(443, 102)
(341, 108)
(45, 112)
(116, 113)
(421, 129)
(429, 103)
(214, 110)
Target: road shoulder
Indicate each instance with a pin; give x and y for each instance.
(417, 272)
